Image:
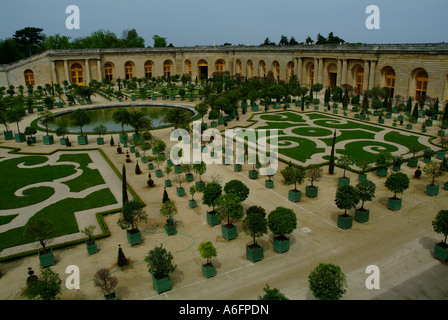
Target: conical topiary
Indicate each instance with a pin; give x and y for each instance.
(165, 196)
(122, 261)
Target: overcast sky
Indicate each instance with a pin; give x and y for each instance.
(204, 22)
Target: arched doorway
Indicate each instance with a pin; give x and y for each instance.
(203, 69)
(359, 78)
(76, 74)
(390, 81)
(332, 75)
(108, 71)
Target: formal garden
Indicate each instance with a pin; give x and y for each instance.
(64, 189)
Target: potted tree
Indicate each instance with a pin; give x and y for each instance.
(169, 209)
(80, 118)
(383, 161)
(168, 170)
(296, 174)
(45, 287)
(440, 225)
(397, 182)
(45, 118)
(366, 192)
(364, 166)
(200, 169)
(90, 243)
(443, 140)
(281, 222)
(16, 115)
(255, 225)
(30, 132)
(121, 116)
(100, 130)
(192, 203)
(179, 179)
(106, 283)
(327, 282)
(346, 199)
(239, 189)
(344, 162)
(212, 192)
(314, 174)
(132, 213)
(187, 168)
(397, 162)
(434, 170)
(207, 251)
(160, 265)
(61, 132)
(427, 155)
(40, 230)
(414, 149)
(228, 206)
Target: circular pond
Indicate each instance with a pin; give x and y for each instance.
(102, 115)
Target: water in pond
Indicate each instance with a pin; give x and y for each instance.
(103, 117)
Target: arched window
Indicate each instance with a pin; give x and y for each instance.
(203, 69)
(108, 71)
(276, 70)
(262, 69)
(29, 78)
(359, 79)
(219, 66)
(129, 70)
(148, 69)
(167, 68)
(421, 85)
(390, 80)
(250, 69)
(76, 74)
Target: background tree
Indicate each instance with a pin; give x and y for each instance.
(47, 286)
(29, 38)
(272, 294)
(159, 42)
(327, 282)
(105, 281)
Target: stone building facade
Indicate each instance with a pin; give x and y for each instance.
(409, 70)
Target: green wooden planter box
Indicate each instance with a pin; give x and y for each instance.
(20, 137)
(178, 168)
(281, 244)
(132, 149)
(441, 132)
(8, 135)
(168, 183)
(200, 185)
(112, 296)
(32, 139)
(362, 215)
(356, 115)
(208, 270)
(82, 140)
(134, 237)
(48, 140)
(432, 190)
(143, 159)
(316, 107)
(238, 167)
(394, 204)
(345, 221)
(159, 173)
(46, 259)
(441, 251)
(412, 163)
(180, 191)
(311, 192)
(343, 181)
(294, 195)
(394, 124)
(428, 123)
(229, 232)
(100, 141)
(213, 124)
(426, 159)
(253, 174)
(381, 172)
(192, 203)
(396, 168)
(161, 285)
(254, 254)
(189, 177)
(440, 155)
(269, 184)
(409, 126)
(445, 186)
(212, 219)
(170, 230)
(91, 248)
(123, 138)
(255, 108)
(362, 177)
